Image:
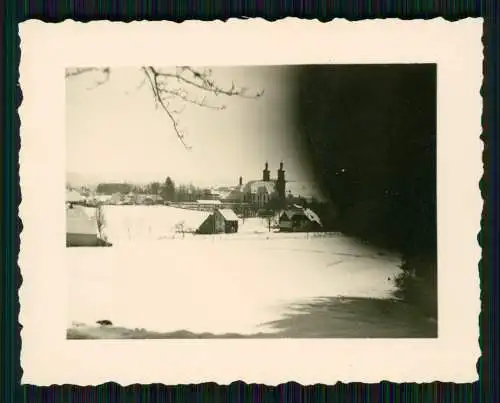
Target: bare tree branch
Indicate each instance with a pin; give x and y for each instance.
(79, 71)
(138, 87)
(203, 81)
(153, 81)
(105, 71)
(184, 97)
(164, 89)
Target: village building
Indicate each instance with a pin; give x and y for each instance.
(74, 197)
(235, 195)
(259, 192)
(116, 198)
(130, 198)
(222, 192)
(214, 194)
(299, 219)
(220, 221)
(211, 194)
(140, 198)
(230, 220)
(102, 199)
(158, 199)
(151, 200)
(85, 191)
(81, 229)
(207, 205)
(148, 201)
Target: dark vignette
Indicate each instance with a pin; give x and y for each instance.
(11, 225)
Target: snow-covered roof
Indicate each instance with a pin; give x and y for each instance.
(312, 216)
(295, 188)
(259, 185)
(306, 212)
(102, 198)
(191, 220)
(210, 202)
(293, 210)
(154, 197)
(234, 194)
(73, 196)
(223, 194)
(228, 214)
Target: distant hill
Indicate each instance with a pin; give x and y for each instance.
(76, 180)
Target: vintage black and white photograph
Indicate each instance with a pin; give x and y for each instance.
(283, 201)
(233, 205)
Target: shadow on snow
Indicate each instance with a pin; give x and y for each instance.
(332, 317)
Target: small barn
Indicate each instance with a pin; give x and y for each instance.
(299, 219)
(81, 229)
(230, 220)
(219, 222)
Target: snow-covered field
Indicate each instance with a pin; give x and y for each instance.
(234, 283)
(147, 223)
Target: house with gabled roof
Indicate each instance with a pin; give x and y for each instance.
(81, 229)
(299, 219)
(220, 221)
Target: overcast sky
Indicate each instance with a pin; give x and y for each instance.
(114, 132)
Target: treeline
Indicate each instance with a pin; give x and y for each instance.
(110, 188)
(168, 190)
(369, 132)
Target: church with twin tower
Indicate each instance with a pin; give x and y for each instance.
(261, 191)
(280, 182)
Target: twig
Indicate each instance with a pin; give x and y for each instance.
(154, 87)
(106, 71)
(207, 85)
(79, 71)
(159, 81)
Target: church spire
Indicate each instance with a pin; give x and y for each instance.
(281, 183)
(266, 177)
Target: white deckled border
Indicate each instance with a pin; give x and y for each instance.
(48, 358)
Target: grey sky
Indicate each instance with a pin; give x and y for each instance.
(114, 131)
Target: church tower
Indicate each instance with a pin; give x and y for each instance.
(280, 183)
(266, 174)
